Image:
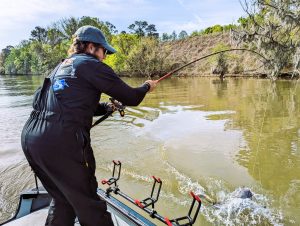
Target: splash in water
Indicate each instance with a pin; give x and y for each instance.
(238, 208)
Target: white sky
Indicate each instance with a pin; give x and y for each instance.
(19, 17)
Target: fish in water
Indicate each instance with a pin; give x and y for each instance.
(242, 193)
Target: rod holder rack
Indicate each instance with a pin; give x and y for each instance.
(144, 204)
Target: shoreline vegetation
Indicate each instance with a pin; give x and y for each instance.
(284, 76)
(272, 31)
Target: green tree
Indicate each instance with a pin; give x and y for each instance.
(147, 58)
(106, 27)
(229, 27)
(182, 35)
(19, 59)
(24, 60)
(213, 29)
(68, 26)
(243, 21)
(39, 34)
(195, 33)
(4, 54)
(54, 36)
(220, 62)
(173, 36)
(151, 31)
(10, 62)
(123, 43)
(2, 60)
(142, 29)
(165, 37)
(2, 69)
(138, 28)
(217, 28)
(112, 28)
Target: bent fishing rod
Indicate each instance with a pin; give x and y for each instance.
(204, 57)
(118, 106)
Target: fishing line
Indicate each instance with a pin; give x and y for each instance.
(260, 132)
(263, 121)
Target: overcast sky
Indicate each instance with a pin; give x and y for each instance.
(19, 17)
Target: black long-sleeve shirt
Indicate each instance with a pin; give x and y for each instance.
(80, 81)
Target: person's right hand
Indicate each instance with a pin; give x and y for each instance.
(110, 107)
(152, 84)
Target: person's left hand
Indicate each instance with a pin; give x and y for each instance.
(152, 84)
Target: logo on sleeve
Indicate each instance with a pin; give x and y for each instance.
(59, 84)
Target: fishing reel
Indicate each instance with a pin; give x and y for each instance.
(111, 107)
(117, 106)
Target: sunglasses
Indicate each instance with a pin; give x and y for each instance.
(97, 46)
(105, 51)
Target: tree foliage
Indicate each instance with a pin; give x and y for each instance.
(214, 29)
(147, 58)
(47, 46)
(3, 56)
(173, 36)
(142, 29)
(182, 35)
(220, 61)
(39, 34)
(272, 29)
(123, 43)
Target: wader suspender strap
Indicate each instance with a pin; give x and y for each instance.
(53, 73)
(39, 93)
(51, 91)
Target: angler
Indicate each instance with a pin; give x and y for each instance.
(56, 137)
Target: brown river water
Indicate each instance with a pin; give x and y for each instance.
(196, 134)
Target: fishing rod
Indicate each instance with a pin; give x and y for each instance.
(204, 57)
